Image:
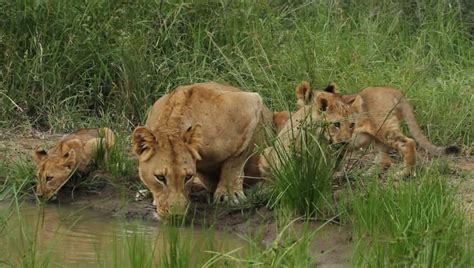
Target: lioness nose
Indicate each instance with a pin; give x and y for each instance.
(178, 209)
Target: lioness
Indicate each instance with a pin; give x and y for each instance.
(377, 112)
(319, 107)
(204, 130)
(74, 152)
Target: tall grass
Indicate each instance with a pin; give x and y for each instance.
(411, 223)
(302, 172)
(121, 164)
(66, 63)
(69, 64)
(291, 246)
(19, 178)
(20, 238)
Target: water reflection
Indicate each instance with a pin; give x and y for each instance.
(72, 237)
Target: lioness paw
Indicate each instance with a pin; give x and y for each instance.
(222, 196)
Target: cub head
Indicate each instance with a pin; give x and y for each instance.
(335, 111)
(55, 167)
(167, 166)
(304, 95)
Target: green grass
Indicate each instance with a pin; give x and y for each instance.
(68, 64)
(302, 180)
(410, 223)
(121, 164)
(19, 178)
(71, 64)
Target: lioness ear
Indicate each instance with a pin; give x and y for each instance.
(143, 142)
(193, 137)
(303, 94)
(39, 154)
(357, 104)
(70, 159)
(332, 88)
(323, 101)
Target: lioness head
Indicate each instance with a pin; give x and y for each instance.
(167, 165)
(55, 167)
(336, 112)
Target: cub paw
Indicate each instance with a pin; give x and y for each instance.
(405, 173)
(142, 195)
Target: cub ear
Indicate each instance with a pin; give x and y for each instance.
(39, 154)
(143, 142)
(70, 144)
(324, 101)
(357, 104)
(70, 159)
(193, 138)
(332, 88)
(303, 94)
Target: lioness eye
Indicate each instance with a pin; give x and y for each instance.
(49, 178)
(337, 124)
(188, 178)
(352, 125)
(161, 179)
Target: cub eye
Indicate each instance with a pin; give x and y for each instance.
(188, 178)
(161, 179)
(337, 124)
(352, 125)
(49, 178)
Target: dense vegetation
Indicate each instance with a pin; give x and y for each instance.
(69, 64)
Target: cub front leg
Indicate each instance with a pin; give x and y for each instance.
(231, 183)
(406, 147)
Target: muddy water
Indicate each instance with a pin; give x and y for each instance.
(69, 237)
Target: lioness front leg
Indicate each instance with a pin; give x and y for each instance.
(230, 187)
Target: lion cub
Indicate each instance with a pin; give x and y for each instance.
(74, 152)
(319, 107)
(378, 112)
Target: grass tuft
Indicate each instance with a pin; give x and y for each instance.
(302, 180)
(410, 223)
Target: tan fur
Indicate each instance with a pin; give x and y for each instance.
(280, 119)
(316, 108)
(378, 112)
(204, 130)
(73, 152)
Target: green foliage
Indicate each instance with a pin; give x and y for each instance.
(69, 64)
(19, 178)
(410, 223)
(66, 63)
(290, 248)
(302, 180)
(120, 161)
(177, 252)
